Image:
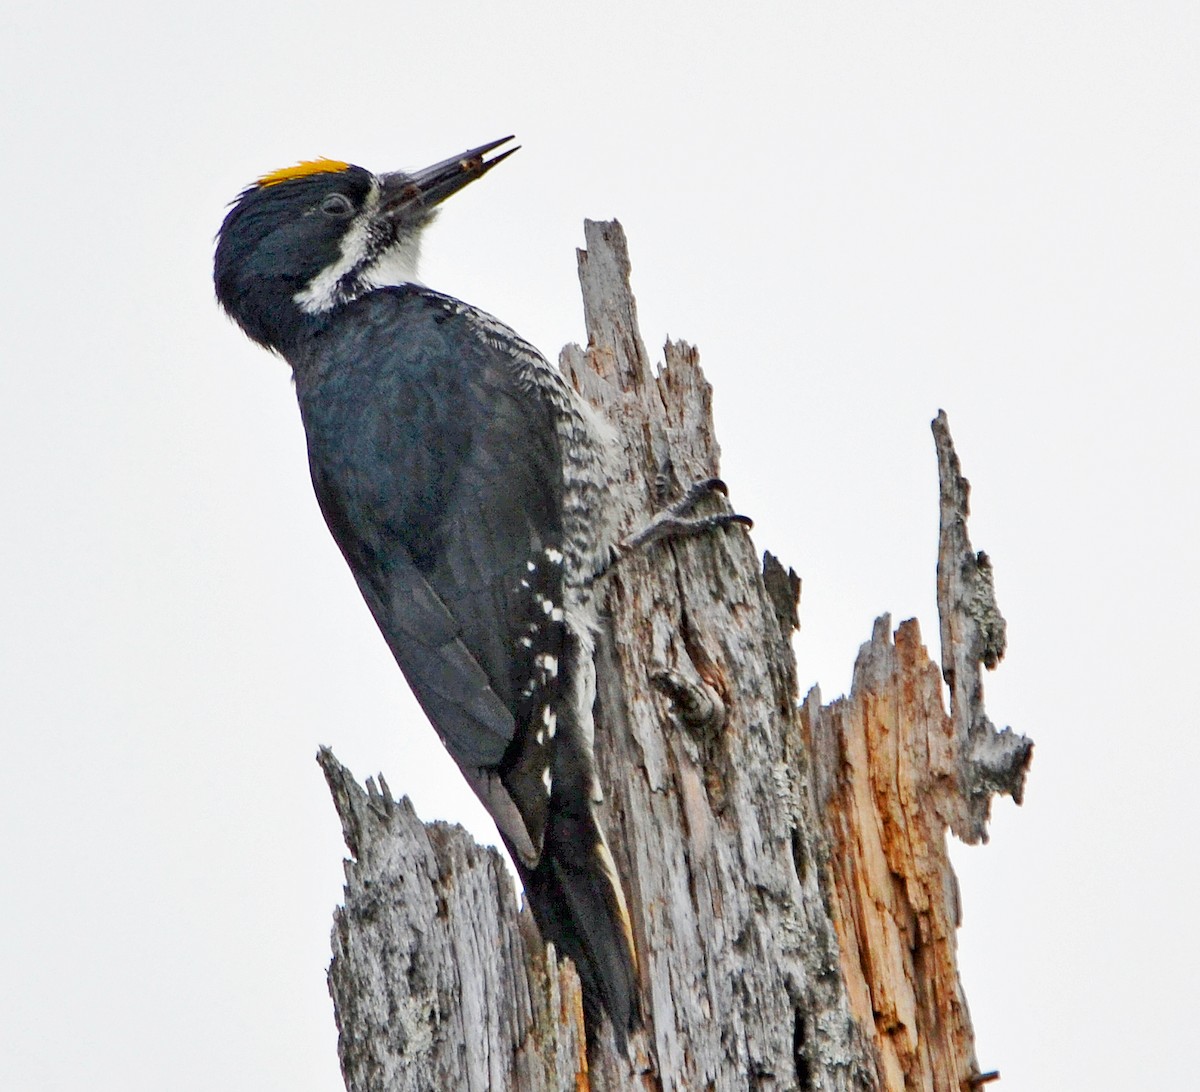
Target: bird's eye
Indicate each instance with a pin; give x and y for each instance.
(337, 204)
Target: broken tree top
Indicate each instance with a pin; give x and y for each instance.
(792, 902)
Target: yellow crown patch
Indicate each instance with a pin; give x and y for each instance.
(303, 169)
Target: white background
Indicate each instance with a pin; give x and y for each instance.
(859, 212)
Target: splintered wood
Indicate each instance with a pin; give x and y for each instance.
(881, 780)
(892, 770)
(438, 981)
(792, 901)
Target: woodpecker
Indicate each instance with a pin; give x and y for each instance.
(469, 489)
(464, 482)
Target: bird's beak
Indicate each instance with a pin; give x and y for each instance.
(417, 194)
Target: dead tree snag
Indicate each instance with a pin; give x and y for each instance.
(794, 907)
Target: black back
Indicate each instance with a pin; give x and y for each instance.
(441, 480)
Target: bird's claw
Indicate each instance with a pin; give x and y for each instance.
(677, 521)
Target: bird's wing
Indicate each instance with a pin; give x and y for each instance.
(439, 476)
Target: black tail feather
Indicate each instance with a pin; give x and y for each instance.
(577, 902)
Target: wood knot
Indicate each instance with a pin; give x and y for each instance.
(696, 704)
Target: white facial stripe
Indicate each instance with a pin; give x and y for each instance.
(323, 292)
(396, 265)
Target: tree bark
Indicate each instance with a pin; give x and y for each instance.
(785, 862)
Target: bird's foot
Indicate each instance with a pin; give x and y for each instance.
(678, 520)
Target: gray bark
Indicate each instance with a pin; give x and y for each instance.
(747, 826)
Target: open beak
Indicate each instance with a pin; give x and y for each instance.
(422, 191)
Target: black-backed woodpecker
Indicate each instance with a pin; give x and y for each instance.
(465, 483)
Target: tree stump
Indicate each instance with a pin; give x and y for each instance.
(785, 862)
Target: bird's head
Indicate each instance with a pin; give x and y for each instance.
(302, 241)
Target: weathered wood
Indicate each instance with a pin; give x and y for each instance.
(973, 633)
(893, 770)
(792, 903)
(437, 980)
(710, 821)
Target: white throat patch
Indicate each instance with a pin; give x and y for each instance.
(396, 265)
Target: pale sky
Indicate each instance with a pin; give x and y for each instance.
(861, 213)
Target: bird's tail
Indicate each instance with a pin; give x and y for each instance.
(577, 900)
